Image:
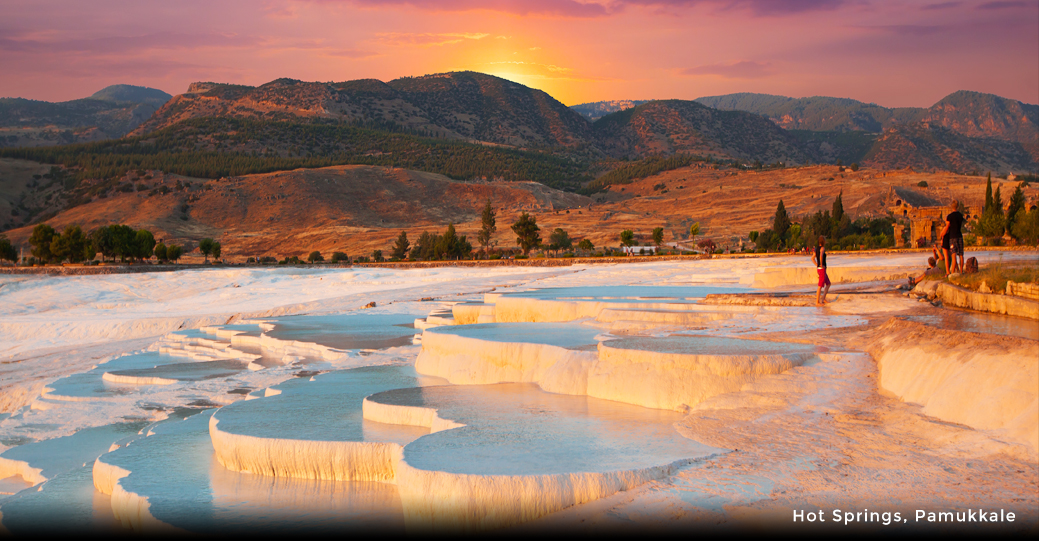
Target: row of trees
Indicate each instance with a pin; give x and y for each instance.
(1017, 221)
(113, 241)
(834, 224)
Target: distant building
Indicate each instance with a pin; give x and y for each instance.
(926, 216)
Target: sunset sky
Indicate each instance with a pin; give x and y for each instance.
(889, 52)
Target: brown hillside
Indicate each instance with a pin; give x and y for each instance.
(922, 145)
(347, 208)
(357, 209)
(988, 116)
(465, 105)
(678, 126)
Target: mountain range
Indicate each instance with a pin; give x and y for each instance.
(473, 126)
(109, 113)
(962, 131)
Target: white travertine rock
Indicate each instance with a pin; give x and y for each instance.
(532, 310)
(466, 313)
(130, 509)
(789, 276)
(678, 381)
(307, 459)
(984, 382)
(137, 380)
(471, 361)
(406, 415)
(11, 467)
(436, 501)
(654, 379)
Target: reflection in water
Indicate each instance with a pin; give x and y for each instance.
(963, 320)
(347, 331)
(243, 501)
(518, 429)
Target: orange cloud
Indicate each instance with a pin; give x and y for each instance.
(746, 69)
(426, 40)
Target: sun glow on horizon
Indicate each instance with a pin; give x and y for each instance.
(882, 51)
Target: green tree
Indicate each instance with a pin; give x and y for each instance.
(377, 256)
(122, 238)
(488, 226)
(425, 248)
(658, 236)
(628, 237)
(71, 245)
(528, 234)
(992, 222)
(781, 222)
(448, 245)
(560, 240)
(855, 167)
(101, 238)
(988, 192)
(206, 247)
(217, 248)
(838, 208)
(160, 251)
(586, 245)
(767, 240)
(1026, 227)
(40, 240)
(1017, 202)
(340, 257)
(143, 244)
(7, 250)
(400, 248)
(315, 257)
(793, 235)
(173, 252)
(694, 230)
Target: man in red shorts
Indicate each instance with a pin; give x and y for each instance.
(819, 258)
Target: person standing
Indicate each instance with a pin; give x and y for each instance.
(953, 230)
(819, 258)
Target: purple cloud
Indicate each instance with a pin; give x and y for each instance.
(1005, 5)
(559, 8)
(908, 29)
(571, 8)
(121, 44)
(941, 5)
(761, 8)
(745, 69)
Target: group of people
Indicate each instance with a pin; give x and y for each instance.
(948, 251)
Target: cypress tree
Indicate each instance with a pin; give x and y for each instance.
(488, 227)
(781, 223)
(1017, 202)
(988, 194)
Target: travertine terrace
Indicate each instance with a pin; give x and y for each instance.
(671, 396)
